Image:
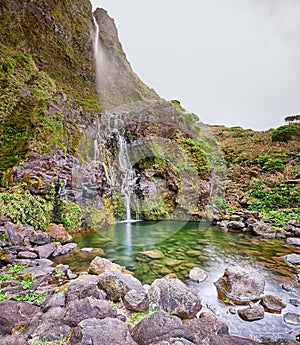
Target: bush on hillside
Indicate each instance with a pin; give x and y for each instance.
(286, 133)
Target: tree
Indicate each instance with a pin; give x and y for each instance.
(292, 118)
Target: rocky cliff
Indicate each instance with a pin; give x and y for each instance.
(58, 142)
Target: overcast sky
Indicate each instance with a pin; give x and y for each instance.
(232, 62)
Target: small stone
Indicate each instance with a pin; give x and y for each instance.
(46, 250)
(27, 255)
(40, 238)
(87, 250)
(64, 249)
(151, 254)
(198, 274)
(235, 217)
(294, 302)
(236, 225)
(232, 311)
(293, 241)
(272, 303)
(136, 301)
(252, 313)
(293, 259)
(288, 288)
(292, 318)
(71, 275)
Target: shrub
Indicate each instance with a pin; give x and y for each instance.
(286, 133)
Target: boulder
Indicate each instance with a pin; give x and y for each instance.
(205, 327)
(109, 331)
(241, 284)
(293, 241)
(64, 249)
(13, 312)
(19, 234)
(88, 308)
(58, 233)
(136, 301)
(292, 318)
(40, 238)
(117, 284)
(198, 274)
(272, 303)
(236, 225)
(160, 327)
(84, 287)
(262, 229)
(293, 259)
(252, 313)
(100, 265)
(51, 330)
(174, 296)
(56, 300)
(45, 251)
(27, 255)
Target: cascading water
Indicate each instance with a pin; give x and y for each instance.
(110, 128)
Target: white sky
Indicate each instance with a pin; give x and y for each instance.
(232, 62)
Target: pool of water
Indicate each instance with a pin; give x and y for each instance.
(176, 247)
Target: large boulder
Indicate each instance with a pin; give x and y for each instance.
(40, 238)
(262, 229)
(19, 235)
(117, 284)
(160, 327)
(100, 265)
(241, 284)
(136, 301)
(109, 331)
(174, 296)
(206, 327)
(58, 233)
(13, 312)
(88, 308)
(51, 330)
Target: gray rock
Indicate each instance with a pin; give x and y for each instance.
(252, 313)
(52, 330)
(46, 250)
(40, 238)
(241, 284)
(83, 288)
(136, 300)
(197, 274)
(88, 308)
(237, 225)
(54, 313)
(39, 271)
(292, 318)
(231, 340)
(71, 275)
(205, 327)
(117, 284)
(174, 341)
(109, 331)
(174, 296)
(18, 234)
(58, 233)
(44, 262)
(64, 249)
(56, 300)
(27, 255)
(293, 259)
(272, 303)
(100, 265)
(13, 312)
(293, 241)
(262, 229)
(235, 218)
(295, 302)
(160, 327)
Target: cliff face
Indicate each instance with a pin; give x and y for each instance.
(54, 140)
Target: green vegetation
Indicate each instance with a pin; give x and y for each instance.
(24, 208)
(271, 164)
(286, 133)
(37, 298)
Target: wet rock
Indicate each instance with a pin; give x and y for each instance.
(252, 313)
(88, 308)
(236, 225)
(151, 255)
(174, 341)
(136, 300)
(52, 330)
(288, 287)
(262, 229)
(293, 241)
(223, 224)
(40, 238)
(197, 274)
(293, 259)
(295, 302)
(205, 327)
(13, 312)
(231, 340)
(292, 318)
(109, 331)
(235, 218)
(100, 265)
(64, 249)
(83, 288)
(117, 284)
(282, 341)
(241, 284)
(45, 251)
(174, 296)
(19, 234)
(272, 303)
(159, 327)
(27, 255)
(58, 233)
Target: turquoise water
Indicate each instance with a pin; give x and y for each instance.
(175, 247)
